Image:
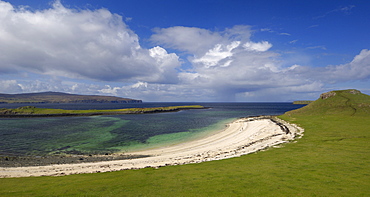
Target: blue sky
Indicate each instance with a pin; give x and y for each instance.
(185, 50)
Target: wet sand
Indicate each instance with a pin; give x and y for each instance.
(241, 137)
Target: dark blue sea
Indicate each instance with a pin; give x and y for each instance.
(120, 133)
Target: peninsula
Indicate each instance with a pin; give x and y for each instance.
(31, 111)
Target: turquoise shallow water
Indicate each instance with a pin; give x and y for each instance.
(109, 134)
(175, 138)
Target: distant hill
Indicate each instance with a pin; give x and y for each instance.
(59, 97)
(342, 102)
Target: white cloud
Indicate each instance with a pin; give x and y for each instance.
(313, 26)
(10, 86)
(95, 52)
(234, 65)
(166, 65)
(94, 44)
(357, 69)
(140, 84)
(218, 53)
(266, 29)
(198, 41)
(109, 90)
(343, 9)
(260, 46)
(190, 39)
(317, 47)
(41, 86)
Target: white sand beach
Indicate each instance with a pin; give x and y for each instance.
(243, 136)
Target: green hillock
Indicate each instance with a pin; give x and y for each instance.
(341, 103)
(335, 147)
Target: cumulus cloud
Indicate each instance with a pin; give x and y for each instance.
(218, 53)
(357, 69)
(230, 64)
(94, 44)
(233, 65)
(95, 52)
(166, 65)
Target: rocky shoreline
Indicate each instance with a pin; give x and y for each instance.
(26, 161)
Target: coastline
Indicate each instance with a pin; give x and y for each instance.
(33, 112)
(243, 136)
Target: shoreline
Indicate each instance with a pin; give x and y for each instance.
(9, 160)
(241, 137)
(32, 161)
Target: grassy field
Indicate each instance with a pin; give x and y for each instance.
(332, 159)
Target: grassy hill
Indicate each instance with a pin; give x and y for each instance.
(340, 103)
(332, 159)
(59, 97)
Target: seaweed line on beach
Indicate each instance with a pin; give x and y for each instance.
(26, 161)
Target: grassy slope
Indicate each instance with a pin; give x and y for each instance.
(332, 159)
(302, 102)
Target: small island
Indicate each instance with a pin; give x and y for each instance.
(31, 111)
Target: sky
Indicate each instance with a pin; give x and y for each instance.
(186, 50)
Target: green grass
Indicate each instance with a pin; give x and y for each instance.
(332, 159)
(302, 102)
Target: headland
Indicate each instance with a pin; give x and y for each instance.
(32, 112)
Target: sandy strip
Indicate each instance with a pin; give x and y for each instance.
(243, 136)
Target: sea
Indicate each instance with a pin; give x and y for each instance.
(92, 135)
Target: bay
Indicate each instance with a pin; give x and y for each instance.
(111, 134)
